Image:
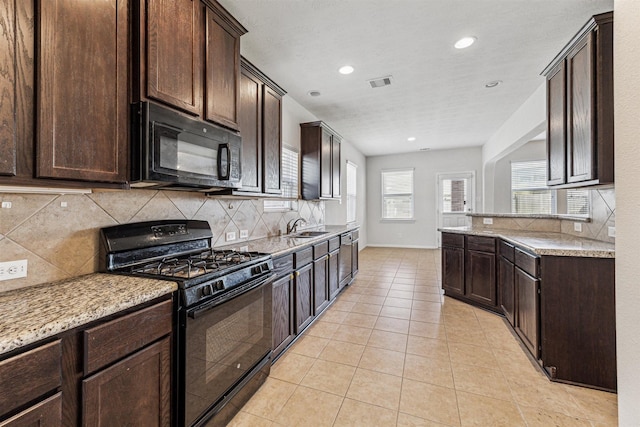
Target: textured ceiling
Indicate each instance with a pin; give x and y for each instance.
(438, 93)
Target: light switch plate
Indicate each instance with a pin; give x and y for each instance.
(230, 236)
(612, 232)
(577, 226)
(244, 234)
(487, 221)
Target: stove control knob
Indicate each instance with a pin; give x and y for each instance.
(219, 285)
(206, 290)
(256, 270)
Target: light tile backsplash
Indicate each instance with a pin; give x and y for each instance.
(59, 234)
(603, 216)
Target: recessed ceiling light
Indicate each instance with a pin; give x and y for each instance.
(411, 138)
(465, 42)
(347, 69)
(493, 83)
(314, 93)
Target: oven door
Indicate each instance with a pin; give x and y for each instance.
(224, 341)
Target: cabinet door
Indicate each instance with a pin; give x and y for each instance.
(47, 413)
(506, 287)
(222, 71)
(271, 131)
(354, 259)
(453, 270)
(527, 311)
(173, 31)
(82, 101)
(325, 165)
(480, 277)
(8, 83)
(283, 331)
(580, 120)
(556, 126)
(320, 284)
(335, 166)
(135, 391)
(334, 274)
(250, 121)
(304, 297)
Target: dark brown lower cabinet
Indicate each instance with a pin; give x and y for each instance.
(527, 322)
(320, 284)
(47, 413)
(283, 331)
(135, 391)
(480, 277)
(334, 273)
(506, 286)
(453, 270)
(304, 297)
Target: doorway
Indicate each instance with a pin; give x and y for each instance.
(455, 199)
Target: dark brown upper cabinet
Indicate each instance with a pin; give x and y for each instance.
(260, 121)
(580, 108)
(82, 109)
(321, 161)
(171, 43)
(187, 55)
(8, 88)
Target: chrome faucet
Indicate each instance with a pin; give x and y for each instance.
(293, 224)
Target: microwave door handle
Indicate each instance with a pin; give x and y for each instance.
(224, 174)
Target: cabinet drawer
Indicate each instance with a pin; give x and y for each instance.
(334, 243)
(507, 250)
(46, 413)
(283, 265)
(453, 240)
(528, 263)
(29, 375)
(355, 235)
(320, 250)
(482, 244)
(113, 340)
(303, 257)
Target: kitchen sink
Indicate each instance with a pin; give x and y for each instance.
(307, 234)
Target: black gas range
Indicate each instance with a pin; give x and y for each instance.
(222, 331)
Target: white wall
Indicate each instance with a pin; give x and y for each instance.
(532, 150)
(335, 211)
(627, 157)
(423, 230)
(526, 123)
(292, 115)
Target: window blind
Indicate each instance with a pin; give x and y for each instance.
(529, 192)
(289, 164)
(397, 194)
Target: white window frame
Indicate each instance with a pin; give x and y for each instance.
(287, 203)
(383, 195)
(352, 192)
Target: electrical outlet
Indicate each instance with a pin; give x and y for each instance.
(244, 234)
(13, 269)
(612, 232)
(487, 221)
(230, 236)
(577, 226)
(6, 205)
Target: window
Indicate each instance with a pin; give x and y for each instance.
(456, 195)
(530, 194)
(397, 194)
(289, 182)
(352, 171)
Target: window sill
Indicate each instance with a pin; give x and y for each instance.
(397, 220)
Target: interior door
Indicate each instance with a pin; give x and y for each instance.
(455, 200)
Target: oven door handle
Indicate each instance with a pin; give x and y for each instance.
(196, 312)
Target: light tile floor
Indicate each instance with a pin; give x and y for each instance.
(392, 351)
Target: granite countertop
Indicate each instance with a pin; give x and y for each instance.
(281, 245)
(533, 216)
(34, 313)
(545, 243)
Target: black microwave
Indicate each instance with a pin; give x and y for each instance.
(172, 150)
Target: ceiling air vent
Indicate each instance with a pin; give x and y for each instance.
(380, 82)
